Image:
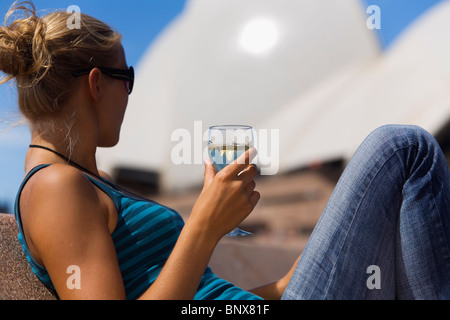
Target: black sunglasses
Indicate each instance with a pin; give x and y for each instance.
(119, 74)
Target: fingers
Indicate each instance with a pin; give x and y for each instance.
(254, 198)
(249, 189)
(242, 171)
(241, 163)
(210, 173)
(248, 174)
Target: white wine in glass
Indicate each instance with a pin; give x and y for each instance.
(225, 144)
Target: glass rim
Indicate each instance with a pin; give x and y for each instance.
(231, 127)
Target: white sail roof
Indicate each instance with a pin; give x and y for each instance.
(317, 74)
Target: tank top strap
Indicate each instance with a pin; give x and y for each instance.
(39, 270)
(22, 185)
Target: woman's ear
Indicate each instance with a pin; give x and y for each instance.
(95, 78)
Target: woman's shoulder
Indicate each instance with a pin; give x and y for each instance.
(58, 204)
(58, 178)
(58, 191)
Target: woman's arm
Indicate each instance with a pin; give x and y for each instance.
(224, 202)
(67, 223)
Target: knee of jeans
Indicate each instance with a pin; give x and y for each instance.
(395, 137)
(408, 133)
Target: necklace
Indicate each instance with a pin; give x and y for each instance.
(80, 167)
(71, 162)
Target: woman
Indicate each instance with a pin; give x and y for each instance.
(73, 87)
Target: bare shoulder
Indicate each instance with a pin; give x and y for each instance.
(58, 202)
(57, 183)
(65, 223)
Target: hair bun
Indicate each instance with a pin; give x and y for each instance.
(23, 49)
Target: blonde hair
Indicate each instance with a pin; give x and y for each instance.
(42, 53)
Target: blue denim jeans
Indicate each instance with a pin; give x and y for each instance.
(385, 232)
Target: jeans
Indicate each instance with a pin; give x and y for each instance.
(385, 232)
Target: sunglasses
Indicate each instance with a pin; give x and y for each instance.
(119, 74)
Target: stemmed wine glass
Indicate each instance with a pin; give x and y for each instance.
(225, 144)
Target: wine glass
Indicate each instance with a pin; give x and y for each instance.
(225, 144)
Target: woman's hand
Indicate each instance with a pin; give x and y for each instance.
(227, 197)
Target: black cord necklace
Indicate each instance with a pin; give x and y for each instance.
(71, 162)
(80, 167)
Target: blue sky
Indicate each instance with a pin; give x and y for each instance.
(140, 22)
(396, 15)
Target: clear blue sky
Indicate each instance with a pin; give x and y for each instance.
(140, 22)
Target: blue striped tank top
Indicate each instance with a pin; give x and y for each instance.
(145, 236)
